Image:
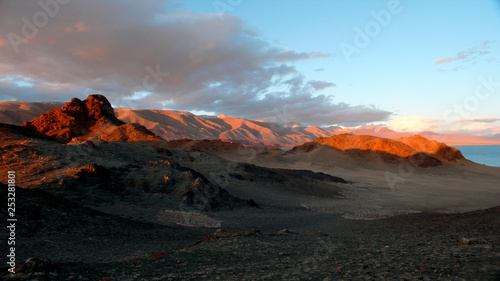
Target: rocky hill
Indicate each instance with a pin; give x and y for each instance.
(92, 117)
(437, 149)
(418, 150)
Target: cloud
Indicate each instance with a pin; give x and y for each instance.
(412, 124)
(475, 126)
(493, 133)
(320, 85)
(479, 126)
(473, 52)
(477, 129)
(443, 60)
(181, 59)
(481, 119)
(470, 55)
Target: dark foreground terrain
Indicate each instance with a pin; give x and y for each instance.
(62, 240)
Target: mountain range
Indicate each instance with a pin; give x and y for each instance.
(171, 125)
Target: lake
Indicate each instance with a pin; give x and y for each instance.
(482, 154)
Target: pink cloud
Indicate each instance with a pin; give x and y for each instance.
(443, 60)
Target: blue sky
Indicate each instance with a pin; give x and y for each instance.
(396, 71)
(419, 69)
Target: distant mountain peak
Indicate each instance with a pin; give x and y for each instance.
(428, 133)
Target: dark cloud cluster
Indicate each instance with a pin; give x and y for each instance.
(174, 58)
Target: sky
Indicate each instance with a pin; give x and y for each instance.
(407, 65)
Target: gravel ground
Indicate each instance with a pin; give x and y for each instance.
(409, 247)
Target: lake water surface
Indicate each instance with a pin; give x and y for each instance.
(482, 154)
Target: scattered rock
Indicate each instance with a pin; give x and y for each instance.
(224, 234)
(283, 232)
(37, 265)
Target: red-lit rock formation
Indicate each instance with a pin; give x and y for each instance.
(418, 150)
(92, 117)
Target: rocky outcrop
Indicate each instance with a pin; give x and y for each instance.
(92, 117)
(189, 187)
(76, 118)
